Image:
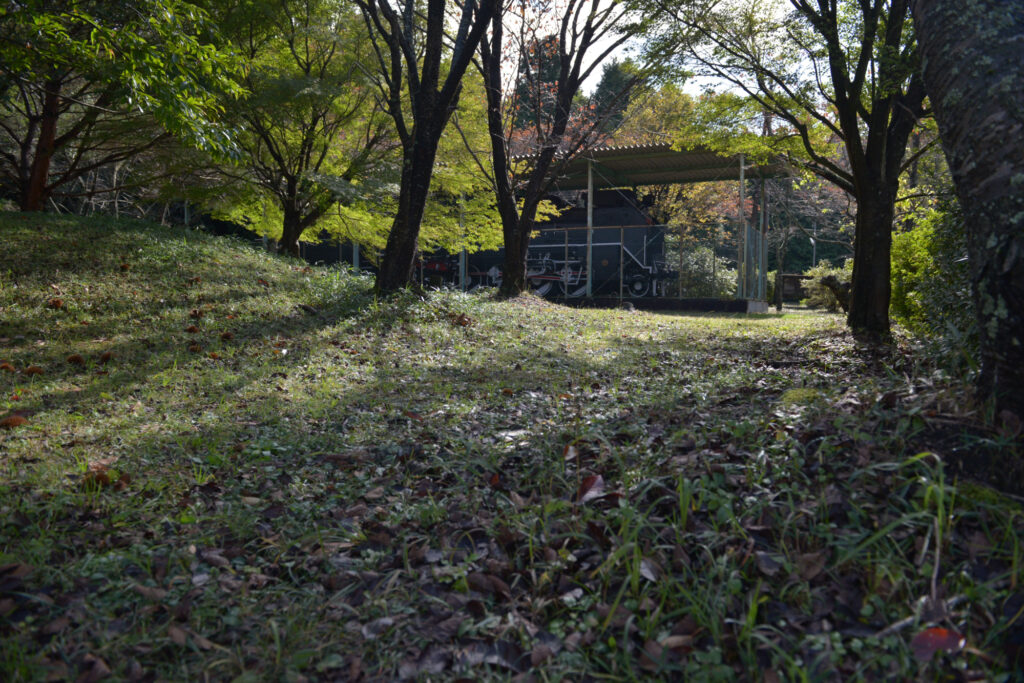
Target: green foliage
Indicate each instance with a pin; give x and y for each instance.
(820, 296)
(931, 289)
(162, 55)
(704, 274)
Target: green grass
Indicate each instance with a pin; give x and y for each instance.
(346, 487)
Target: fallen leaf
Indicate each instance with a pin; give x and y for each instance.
(195, 348)
(810, 565)
(479, 582)
(374, 494)
(263, 282)
(7, 367)
(214, 557)
(125, 266)
(591, 488)
(652, 656)
(768, 563)
(106, 357)
(76, 359)
(227, 336)
(191, 329)
(375, 628)
(96, 669)
(149, 592)
(55, 626)
(926, 643)
(195, 313)
(177, 634)
(33, 370)
(55, 303)
(12, 421)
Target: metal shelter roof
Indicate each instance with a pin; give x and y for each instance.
(658, 164)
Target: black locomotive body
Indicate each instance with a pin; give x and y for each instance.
(627, 251)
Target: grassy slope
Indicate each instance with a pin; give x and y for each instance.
(342, 487)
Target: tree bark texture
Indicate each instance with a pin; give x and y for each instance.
(870, 287)
(35, 192)
(399, 259)
(973, 63)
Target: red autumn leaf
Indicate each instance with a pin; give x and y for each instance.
(56, 304)
(7, 367)
(263, 282)
(591, 488)
(33, 370)
(76, 359)
(125, 266)
(931, 640)
(12, 421)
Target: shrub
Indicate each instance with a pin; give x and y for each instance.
(931, 287)
(702, 276)
(825, 281)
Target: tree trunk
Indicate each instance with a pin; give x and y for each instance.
(291, 230)
(517, 249)
(870, 288)
(973, 73)
(35, 194)
(396, 266)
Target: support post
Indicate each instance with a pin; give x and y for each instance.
(565, 266)
(355, 257)
(462, 253)
(762, 255)
(741, 263)
(590, 227)
(622, 243)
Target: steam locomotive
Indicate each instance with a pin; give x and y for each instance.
(627, 254)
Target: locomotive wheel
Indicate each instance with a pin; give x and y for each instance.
(639, 285)
(541, 287)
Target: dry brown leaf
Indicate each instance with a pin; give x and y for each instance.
(12, 421)
(76, 359)
(96, 670)
(149, 592)
(177, 634)
(55, 626)
(810, 565)
(33, 370)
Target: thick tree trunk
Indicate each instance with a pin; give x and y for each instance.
(973, 72)
(35, 194)
(870, 289)
(396, 267)
(291, 230)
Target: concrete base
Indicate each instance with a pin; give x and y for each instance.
(706, 304)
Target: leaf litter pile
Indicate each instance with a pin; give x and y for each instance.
(218, 464)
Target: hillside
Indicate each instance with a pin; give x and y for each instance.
(219, 463)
